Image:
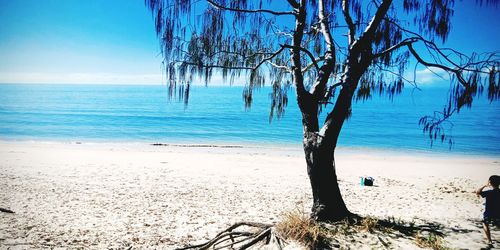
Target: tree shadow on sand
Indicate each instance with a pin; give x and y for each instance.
(384, 233)
(495, 231)
(356, 231)
(388, 233)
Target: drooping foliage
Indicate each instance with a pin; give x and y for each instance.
(315, 45)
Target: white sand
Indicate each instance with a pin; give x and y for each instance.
(120, 195)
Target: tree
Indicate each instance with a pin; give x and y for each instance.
(350, 47)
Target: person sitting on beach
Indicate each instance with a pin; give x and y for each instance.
(491, 213)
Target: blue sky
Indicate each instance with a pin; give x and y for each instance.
(112, 41)
(86, 41)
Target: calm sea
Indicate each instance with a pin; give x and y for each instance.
(216, 115)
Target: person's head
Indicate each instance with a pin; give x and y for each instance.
(494, 180)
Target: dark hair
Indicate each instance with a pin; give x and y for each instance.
(495, 180)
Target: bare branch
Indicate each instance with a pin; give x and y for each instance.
(282, 33)
(377, 18)
(431, 46)
(282, 67)
(228, 52)
(413, 83)
(348, 20)
(325, 29)
(336, 85)
(277, 13)
(434, 47)
(308, 53)
(269, 57)
(397, 46)
(319, 88)
(466, 66)
(312, 64)
(213, 65)
(443, 67)
(293, 3)
(300, 22)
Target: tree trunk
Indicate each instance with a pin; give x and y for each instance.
(328, 204)
(319, 146)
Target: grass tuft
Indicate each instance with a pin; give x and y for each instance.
(369, 224)
(431, 241)
(298, 226)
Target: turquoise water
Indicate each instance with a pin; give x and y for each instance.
(125, 113)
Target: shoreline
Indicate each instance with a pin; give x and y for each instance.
(120, 195)
(341, 149)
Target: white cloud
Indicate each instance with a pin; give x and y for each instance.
(428, 76)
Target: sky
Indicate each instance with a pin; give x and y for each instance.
(78, 41)
(114, 42)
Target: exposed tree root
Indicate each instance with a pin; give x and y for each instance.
(300, 228)
(256, 233)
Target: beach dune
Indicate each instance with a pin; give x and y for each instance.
(96, 195)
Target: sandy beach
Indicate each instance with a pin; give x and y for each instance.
(93, 195)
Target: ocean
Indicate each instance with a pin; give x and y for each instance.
(216, 115)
